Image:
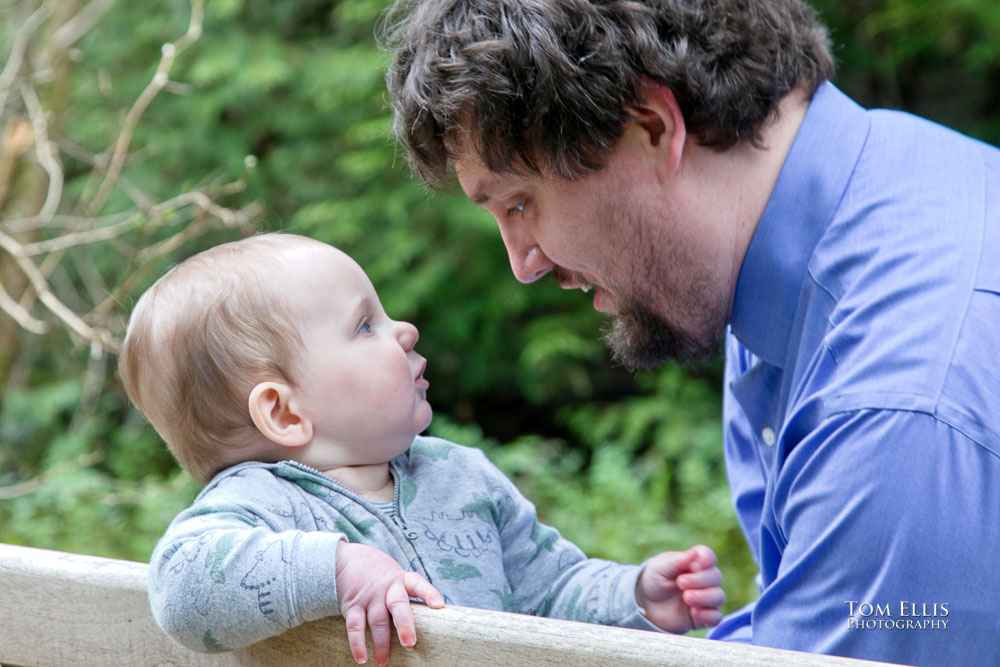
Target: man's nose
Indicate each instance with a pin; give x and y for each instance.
(527, 261)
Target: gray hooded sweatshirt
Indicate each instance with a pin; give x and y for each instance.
(255, 554)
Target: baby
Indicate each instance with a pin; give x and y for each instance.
(275, 377)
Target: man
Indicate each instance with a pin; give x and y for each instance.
(691, 163)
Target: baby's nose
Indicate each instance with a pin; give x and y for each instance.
(407, 335)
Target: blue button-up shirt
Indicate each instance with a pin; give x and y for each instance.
(862, 394)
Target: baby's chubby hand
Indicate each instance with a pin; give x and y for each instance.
(372, 587)
(680, 590)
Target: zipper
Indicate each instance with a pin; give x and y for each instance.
(397, 511)
(397, 515)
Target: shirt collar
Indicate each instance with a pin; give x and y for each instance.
(804, 201)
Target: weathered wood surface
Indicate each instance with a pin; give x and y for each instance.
(61, 609)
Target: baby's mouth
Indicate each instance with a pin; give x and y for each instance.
(420, 380)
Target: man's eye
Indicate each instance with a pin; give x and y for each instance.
(365, 328)
(517, 209)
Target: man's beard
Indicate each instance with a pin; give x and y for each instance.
(639, 338)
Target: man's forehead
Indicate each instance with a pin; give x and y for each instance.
(482, 185)
(478, 182)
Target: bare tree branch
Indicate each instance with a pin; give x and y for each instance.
(93, 385)
(18, 138)
(67, 291)
(74, 222)
(21, 314)
(19, 49)
(44, 149)
(168, 53)
(45, 295)
(31, 485)
(73, 239)
(67, 34)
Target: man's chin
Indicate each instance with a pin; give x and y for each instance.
(640, 339)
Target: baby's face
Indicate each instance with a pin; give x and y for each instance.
(358, 378)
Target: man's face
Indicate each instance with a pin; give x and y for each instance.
(628, 233)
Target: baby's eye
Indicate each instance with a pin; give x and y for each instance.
(517, 209)
(365, 328)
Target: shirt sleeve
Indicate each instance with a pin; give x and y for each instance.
(550, 576)
(229, 573)
(881, 543)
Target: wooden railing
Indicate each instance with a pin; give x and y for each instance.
(67, 609)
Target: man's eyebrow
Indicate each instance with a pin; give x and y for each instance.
(484, 189)
(479, 196)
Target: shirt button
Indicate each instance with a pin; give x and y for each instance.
(768, 435)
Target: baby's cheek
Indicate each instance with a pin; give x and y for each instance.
(392, 390)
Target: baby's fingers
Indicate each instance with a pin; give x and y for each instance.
(418, 587)
(702, 558)
(378, 623)
(702, 579)
(705, 618)
(355, 620)
(704, 597)
(398, 603)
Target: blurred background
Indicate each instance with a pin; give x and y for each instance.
(137, 133)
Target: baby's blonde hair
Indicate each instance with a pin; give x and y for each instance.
(200, 339)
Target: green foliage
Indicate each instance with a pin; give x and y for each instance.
(623, 466)
(937, 59)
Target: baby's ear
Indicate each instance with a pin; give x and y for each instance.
(275, 415)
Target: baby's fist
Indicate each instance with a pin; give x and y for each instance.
(680, 590)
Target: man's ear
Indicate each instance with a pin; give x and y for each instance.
(276, 416)
(660, 118)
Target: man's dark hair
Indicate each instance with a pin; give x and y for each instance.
(545, 85)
